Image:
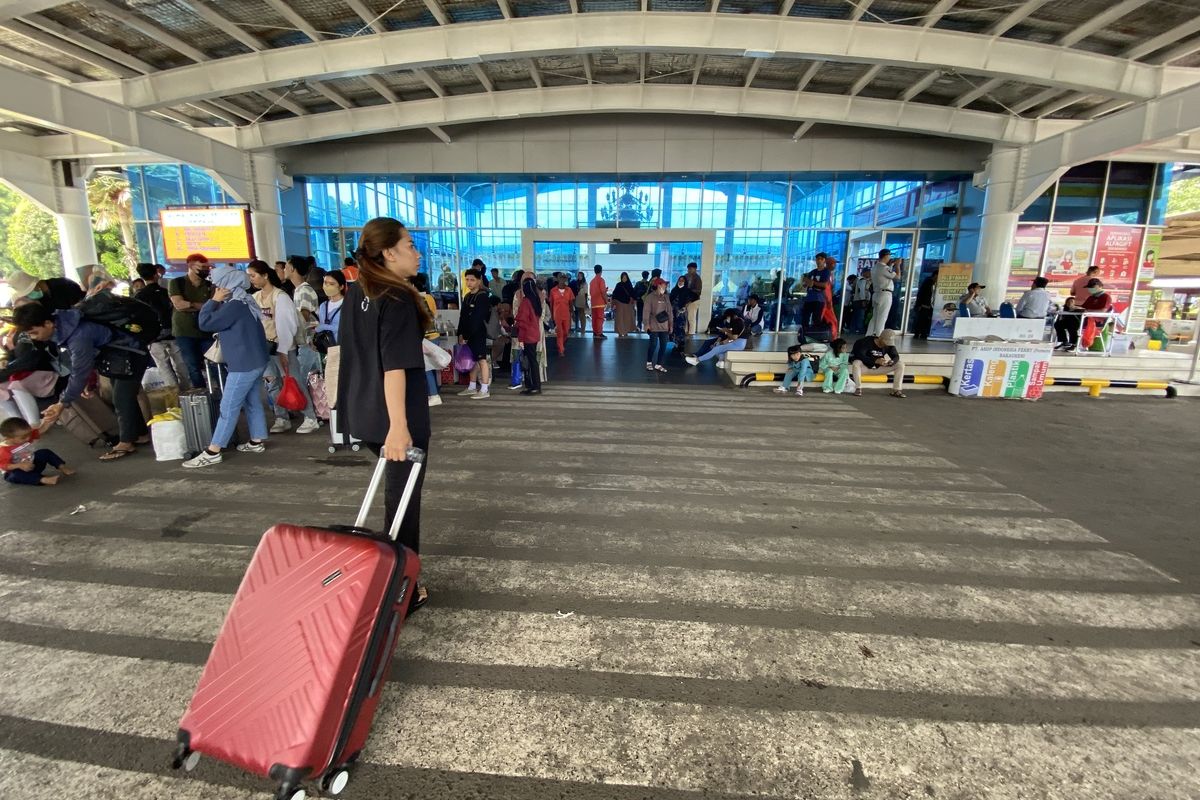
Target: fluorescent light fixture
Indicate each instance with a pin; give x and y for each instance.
(11, 129)
(760, 54)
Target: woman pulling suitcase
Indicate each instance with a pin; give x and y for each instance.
(381, 385)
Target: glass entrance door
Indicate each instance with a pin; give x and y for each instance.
(863, 253)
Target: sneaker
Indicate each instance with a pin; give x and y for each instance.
(531, 391)
(649, 366)
(468, 391)
(780, 390)
(205, 459)
(435, 399)
(251, 447)
(692, 360)
(720, 365)
(514, 387)
(281, 425)
(800, 392)
(481, 395)
(660, 368)
(309, 425)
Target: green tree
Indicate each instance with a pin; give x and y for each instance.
(8, 206)
(33, 241)
(111, 204)
(1184, 197)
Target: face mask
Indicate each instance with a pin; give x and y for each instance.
(332, 292)
(36, 294)
(204, 274)
(1095, 290)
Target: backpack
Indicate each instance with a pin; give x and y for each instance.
(123, 315)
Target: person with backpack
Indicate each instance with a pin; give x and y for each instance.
(163, 351)
(110, 347)
(188, 295)
(281, 323)
(55, 294)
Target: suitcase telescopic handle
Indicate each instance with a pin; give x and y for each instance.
(416, 456)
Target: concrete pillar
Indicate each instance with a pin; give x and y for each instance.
(994, 262)
(266, 211)
(76, 242)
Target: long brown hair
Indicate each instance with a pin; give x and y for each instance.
(375, 278)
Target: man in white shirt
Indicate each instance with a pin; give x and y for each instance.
(1037, 302)
(883, 279)
(974, 303)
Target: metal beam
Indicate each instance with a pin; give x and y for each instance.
(1107, 108)
(793, 38)
(803, 129)
(695, 70)
(20, 8)
(1101, 20)
(752, 72)
(937, 12)
(966, 98)
(66, 48)
(111, 53)
(1016, 17)
(381, 88)
(574, 6)
(505, 10)
(1165, 39)
(1053, 107)
(438, 12)
(535, 73)
(205, 12)
(641, 67)
(10, 56)
(1181, 51)
(333, 94)
(147, 28)
(369, 18)
(302, 25)
(482, 76)
(283, 101)
(67, 109)
(785, 10)
(865, 81)
(587, 68)
(908, 94)
(441, 134)
(808, 75)
(431, 82)
(650, 98)
(1036, 100)
(213, 108)
(860, 8)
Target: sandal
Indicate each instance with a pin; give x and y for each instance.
(858, 392)
(420, 597)
(899, 394)
(116, 453)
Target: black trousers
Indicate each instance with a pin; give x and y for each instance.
(395, 477)
(1067, 328)
(131, 423)
(812, 315)
(530, 371)
(924, 322)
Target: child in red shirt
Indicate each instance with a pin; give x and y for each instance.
(21, 462)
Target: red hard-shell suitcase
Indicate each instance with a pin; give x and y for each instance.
(295, 676)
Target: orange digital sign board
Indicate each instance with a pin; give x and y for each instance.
(222, 234)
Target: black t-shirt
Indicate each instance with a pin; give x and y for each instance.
(155, 296)
(869, 352)
(61, 294)
(378, 336)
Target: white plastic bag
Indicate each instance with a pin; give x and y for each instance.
(436, 358)
(170, 442)
(153, 379)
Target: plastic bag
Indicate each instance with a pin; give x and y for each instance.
(168, 436)
(290, 396)
(436, 358)
(463, 360)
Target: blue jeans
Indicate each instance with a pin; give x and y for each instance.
(798, 371)
(658, 344)
(720, 349)
(241, 394)
(431, 382)
(193, 348)
(301, 361)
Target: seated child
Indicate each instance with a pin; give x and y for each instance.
(21, 462)
(835, 366)
(799, 370)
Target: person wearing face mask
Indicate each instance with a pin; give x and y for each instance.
(282, 325)
(658, 320)
(188, 295)
(55, 294)
(235, 316)
(329, 314)
(381, 387)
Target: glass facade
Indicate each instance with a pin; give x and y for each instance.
(768, 227)
(153, 187)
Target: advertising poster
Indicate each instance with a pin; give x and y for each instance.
(1139, 310)
(1068, 253)
(1118, 248)
(1026, 263)
(221, 234)
(1007, 370)
(953, 280)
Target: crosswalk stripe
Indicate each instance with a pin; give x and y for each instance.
(547, 402)
(632, 741)
(540, 542)
(665, 648)
(486, 417)
(838, 596)
(762, 450)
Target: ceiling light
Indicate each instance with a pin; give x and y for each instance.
(760, 54)
(10, 129)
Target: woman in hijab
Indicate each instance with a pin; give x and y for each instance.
(681, 295)
(624, 300)
(236, 319)
(529, 333)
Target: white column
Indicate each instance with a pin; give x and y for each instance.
(994, 263)
(266, 211)
(44, 182)
(76, 242)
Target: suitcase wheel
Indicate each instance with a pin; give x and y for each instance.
(332, 449)
(185, 757)
(355, 447)
(335, 782)
(287, 793)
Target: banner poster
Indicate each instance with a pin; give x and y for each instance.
(953, 280)
(1000, 370)
(1118, 248)
(1139, 309)
(1026, 262)
(1068, 255)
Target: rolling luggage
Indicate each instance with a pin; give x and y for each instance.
(196, 405)
(91, 421)
(298, 668)
(339, 438)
